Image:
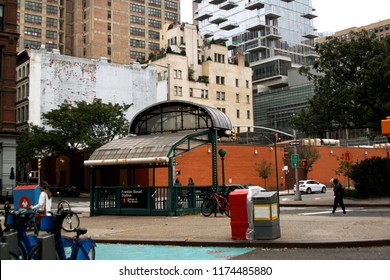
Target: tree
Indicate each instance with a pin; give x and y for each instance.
(352, 85)
(263, 169)
(73, 128)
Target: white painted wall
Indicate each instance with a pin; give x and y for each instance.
(55, 78)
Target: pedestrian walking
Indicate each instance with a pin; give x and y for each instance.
(338, 196)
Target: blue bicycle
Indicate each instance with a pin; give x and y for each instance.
(75, 248)
(18, 221)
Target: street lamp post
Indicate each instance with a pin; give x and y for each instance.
(222, 153)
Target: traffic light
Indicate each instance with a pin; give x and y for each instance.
(304, 163)
(233, 135)
(39, 163)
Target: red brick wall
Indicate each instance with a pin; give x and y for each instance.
(240, 161)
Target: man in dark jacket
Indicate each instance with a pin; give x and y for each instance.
(338, 196)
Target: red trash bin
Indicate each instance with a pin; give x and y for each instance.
(238, 213)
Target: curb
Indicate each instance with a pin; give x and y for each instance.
(254, 243)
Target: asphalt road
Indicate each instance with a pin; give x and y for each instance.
(360, 253)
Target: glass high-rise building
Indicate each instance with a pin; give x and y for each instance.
(274, 35)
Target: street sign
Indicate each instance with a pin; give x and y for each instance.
(294, 143)
(347, 156)
(294, 160)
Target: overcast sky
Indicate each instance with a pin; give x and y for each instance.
(333, 15)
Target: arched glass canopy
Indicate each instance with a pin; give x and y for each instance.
(161, 131)
(174, 116)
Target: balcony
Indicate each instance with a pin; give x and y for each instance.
(254, 4)
(256, 26)
(255, 45)
(216, 2)
(311, 54)
(309, 15)
(228, 5)
(203, 15)
(197, 1)
(310, 35)
(229, 26)
(217, 19)
(288, 1)
(272, 33)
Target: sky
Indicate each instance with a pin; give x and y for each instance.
(333, 15)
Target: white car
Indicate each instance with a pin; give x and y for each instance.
(310, 186)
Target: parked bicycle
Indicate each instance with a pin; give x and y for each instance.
(214, 202)
(71, 221)
(17, 221)
(75, 248)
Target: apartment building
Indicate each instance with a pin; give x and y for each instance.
(201, 72)
(122, 31)
(275, 35)
(8, 40)
(381, 29)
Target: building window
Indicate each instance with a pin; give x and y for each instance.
(178, 91)
(52, 22)
(237, 97)
(108, 38)
(109, 50)
(137, 31)
(236, 82)
(108, 14)
(137, 8)
(109, 3)
(52, 9)
(154, 46)
(155, 2)
(220, 80)
(248, 99)
(33, 6)
(1, 17)
(154, 12)
(204, 94)
(51, 34)
(154, 34)
(247, 84)
(137, 20)
(33, 18)
(219, 58)
(248, 114)
(109, 26)
(32, 31)
(154, 23)
(177, 74)
(220, 95)
(137, 55)
(171, 16)
(137, 43)
(238, 114)
(191, 92)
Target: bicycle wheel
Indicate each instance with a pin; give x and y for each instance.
(82, 254)
(207, 207)
(35, 253)
(63, 205)
(71, 222)
(226, 207)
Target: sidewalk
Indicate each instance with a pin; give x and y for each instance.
(296, 230)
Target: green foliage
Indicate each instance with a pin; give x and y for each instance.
(263, 170)
(350, 77)
(371, 177)
(74, 128)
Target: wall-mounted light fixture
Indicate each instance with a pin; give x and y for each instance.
(255, 152)
(365, 152)
(209, 150)
(331, 152)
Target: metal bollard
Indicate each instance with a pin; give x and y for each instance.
(48, 249)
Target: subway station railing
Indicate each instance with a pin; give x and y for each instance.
(151, 201)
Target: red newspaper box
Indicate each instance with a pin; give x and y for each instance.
(238, 213)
